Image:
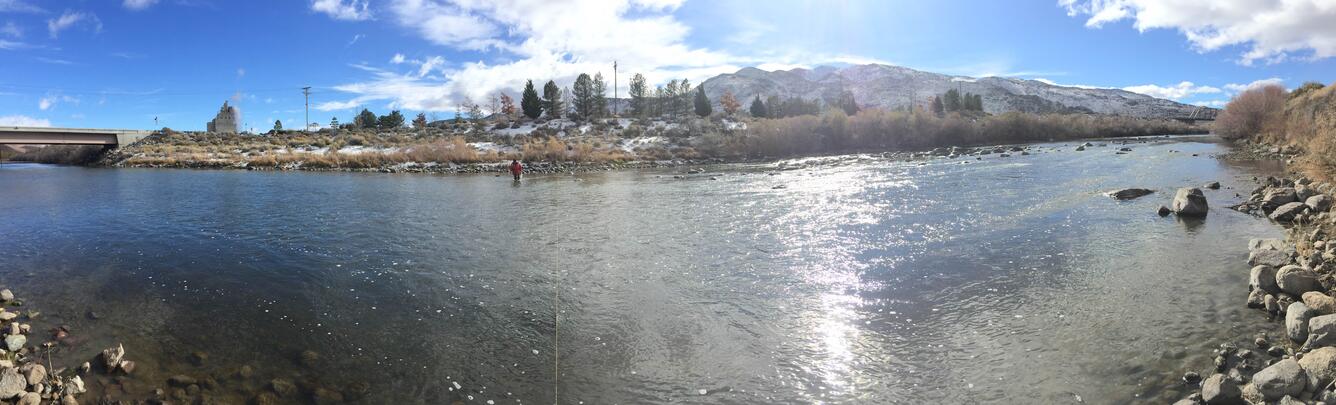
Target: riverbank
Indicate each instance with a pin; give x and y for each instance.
(1291, 280)
(568, 146)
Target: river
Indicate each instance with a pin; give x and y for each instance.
(863, 280)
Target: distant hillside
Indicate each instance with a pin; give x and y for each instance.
(893, 87)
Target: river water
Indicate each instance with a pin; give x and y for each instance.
(864, 280)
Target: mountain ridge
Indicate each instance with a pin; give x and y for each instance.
(896, 87)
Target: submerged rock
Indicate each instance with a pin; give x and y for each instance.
(1189, 202)
(1163, 211)
(1215, 185)
(112, 356)
(1129, 193)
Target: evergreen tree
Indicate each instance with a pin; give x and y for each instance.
(758, 107)
(774, 107)
(552, 100)
(656, 107)
(639, 95)
(847, 102)
(978, 102)
(392, 121)
(365, 119)
(529, 101)
(278, 126)
(668, 101)
(582, 96)
(937, 107)
(600, 96)
(684, 97)
(334, 122)
(951, 100)
(703, 107)
(420, 121)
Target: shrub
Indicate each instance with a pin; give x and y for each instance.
(1255, 112)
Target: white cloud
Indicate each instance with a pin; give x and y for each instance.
(1238, 88)
(1211, 103)
(1079, 86)
(50, 101)
(69, 19)
(1174, 92)
(23, 121)
(539, 40)
(1272, 30)
(356, 37)
(431, 63)
(11, 29)
(18, 6)
(397, 59)
(351, 10)
(138, 4)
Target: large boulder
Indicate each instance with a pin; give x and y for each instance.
(1319, 203)
(1321, 331)
(1277, 197)
(1296, 280)
(1320, 303)
(1287, 212)
(1189, 202)
(1264, 278)
(1296, 321)
(1320, 366)
(12, 383)
(1280, 379)
(1303, 192)
(1129, 193)
(1268, 257)
(1219, 389)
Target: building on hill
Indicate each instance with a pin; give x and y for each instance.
(226, 120)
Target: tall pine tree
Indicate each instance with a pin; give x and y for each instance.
(639, 96)
(529, 101)
(600, 96)
(582, 96)
(552, 103)
(703, 107)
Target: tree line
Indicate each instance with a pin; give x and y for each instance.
(953, 101)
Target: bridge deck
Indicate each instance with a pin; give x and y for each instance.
(69, 136)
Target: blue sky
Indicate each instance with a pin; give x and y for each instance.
(120, 63)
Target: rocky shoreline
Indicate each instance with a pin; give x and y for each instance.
(27, 375)
(1291, 280)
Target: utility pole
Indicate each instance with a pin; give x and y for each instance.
(614, 88)
(306, 91)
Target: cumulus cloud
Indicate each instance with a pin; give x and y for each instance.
(23, 121)
(539, 40)
(70, 19)
(1271, 30)
(1238, 88)
(1174, 92)
(351, 10)
(138, 4)
(397, 59)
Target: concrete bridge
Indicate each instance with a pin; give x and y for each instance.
(70, 136)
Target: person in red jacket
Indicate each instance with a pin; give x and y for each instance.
(516, 169)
